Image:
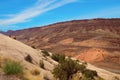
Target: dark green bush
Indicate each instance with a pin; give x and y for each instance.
(59, 58)
(59, 73)
(45, 53)
(12, 67)
(41, 64)
(90, 74)
(66, 69)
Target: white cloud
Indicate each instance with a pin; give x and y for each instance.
(40, 7)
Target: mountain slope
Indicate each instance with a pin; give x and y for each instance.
(15, 50)
(76, 37)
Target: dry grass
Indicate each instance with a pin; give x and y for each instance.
(35, 72)
(116, 78)
(28, 75)
(77, 76)
(3, 60)
(0, 61)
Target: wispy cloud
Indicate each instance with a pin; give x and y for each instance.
(40, 7)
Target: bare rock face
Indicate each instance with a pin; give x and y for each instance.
(100, 57)
(93, 55)
(78, 37)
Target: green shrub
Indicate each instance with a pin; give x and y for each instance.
(59, 73)
(12, 67)
(41, 64)
(55, 57)
(90, 74)
(59, 58)
(45, 53)
(66, 69)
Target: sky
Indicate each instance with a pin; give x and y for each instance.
(22, 14)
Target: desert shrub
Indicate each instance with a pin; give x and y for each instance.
(55, 57)
(28, 58)
(46, 78)
(41, 64)
(59, 58)
(116, 78)
(35, 72)
(90, 74)
(45, 53)
(58, 72)
(12, 67)
(66, 69)
(33, 47)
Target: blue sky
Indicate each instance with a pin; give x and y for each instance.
(21, 14)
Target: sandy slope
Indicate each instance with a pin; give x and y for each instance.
(15, 50)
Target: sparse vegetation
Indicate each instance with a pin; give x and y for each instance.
(45, 53)
(41, 64)
(12, 67)
(71, 70)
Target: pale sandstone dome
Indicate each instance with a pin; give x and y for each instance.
(15, 50)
